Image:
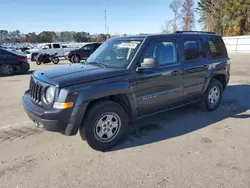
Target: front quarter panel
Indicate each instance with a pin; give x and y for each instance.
(89, 92)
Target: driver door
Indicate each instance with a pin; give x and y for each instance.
(161, 88)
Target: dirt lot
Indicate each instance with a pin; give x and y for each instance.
(183, 148)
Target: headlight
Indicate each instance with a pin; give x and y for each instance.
(50, 94)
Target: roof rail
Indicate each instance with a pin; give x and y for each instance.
(205, 32)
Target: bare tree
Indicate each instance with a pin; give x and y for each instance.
(175, 6)
(188, 15)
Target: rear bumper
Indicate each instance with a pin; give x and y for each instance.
(22, 68)
(65, 121)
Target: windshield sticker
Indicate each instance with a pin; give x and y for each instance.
(128, 45)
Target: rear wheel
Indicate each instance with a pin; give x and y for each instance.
(34, 56)
(213, 96)
(75, 59)
(38, 62)
(6, 70)
(104, 125)
(55, 60)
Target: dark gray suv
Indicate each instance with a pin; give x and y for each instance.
(128, 78)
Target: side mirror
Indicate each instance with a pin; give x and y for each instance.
(149, 63)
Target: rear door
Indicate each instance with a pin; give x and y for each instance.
(194, 66)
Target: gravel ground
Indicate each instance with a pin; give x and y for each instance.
(183, 148)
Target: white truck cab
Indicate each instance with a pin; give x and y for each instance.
(48, 48)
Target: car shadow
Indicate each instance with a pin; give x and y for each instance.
(185, 120)
(18, 74)
(27, 73)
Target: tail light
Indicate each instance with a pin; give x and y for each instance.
(22, 59)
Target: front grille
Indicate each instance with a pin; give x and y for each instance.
(36, 90)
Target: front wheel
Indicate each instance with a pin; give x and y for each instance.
(55, 60)
(75, 59)
(104, 125)
(213, 96)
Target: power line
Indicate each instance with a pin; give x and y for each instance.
(105, 19)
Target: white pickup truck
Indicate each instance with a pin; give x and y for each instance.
(49, 48)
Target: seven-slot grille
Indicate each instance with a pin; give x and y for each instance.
(36, 90)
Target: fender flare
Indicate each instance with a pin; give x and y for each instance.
(90, 94)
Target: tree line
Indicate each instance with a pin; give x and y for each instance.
(50, 36)
(224, 17)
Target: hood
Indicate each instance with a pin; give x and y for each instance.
(67, 75)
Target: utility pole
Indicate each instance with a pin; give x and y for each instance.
(105, 19)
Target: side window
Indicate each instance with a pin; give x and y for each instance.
(56, 45)
(97, 45)
(88, 47)
(164, 51)
(216, 47)
(192, 50)
(47, 46)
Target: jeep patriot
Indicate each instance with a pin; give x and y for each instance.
(127, 78)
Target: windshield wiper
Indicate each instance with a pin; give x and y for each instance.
(97, 63)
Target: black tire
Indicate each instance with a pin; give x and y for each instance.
(55, 60)
(34, 57)
(38, 62)
(89, 128)
(206, 103)
(75, 59)
(6, 70)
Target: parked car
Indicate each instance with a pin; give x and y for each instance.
(50, 48)
(129, 78)
(7, 48)
(12, 62)
(75, 56)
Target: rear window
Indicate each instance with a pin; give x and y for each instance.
(193, 49)
(8, 52)
(216, 47)
(4, 52)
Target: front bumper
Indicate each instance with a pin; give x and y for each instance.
(65, 121)
(48, 119)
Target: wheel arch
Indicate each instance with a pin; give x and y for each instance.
(220, 77)
(121, 99)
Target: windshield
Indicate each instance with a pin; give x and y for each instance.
(115, 53)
